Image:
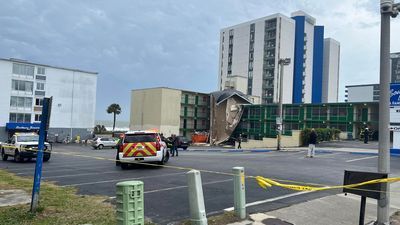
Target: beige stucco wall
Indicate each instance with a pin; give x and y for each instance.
(287, 141)
(156, 108)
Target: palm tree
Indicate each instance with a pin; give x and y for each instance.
(116, 109)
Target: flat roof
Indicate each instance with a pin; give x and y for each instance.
(360, 85)
(176, 89)
(45, 65)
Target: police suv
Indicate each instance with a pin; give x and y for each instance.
(24, 146)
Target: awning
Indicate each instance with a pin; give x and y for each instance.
(22, 126)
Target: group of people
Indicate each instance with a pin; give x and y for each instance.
(173, 142)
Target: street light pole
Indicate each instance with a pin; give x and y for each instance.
(388, 9)
(279, 121)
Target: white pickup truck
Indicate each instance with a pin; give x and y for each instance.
(23, 146)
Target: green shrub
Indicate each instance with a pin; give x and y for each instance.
(323, 134)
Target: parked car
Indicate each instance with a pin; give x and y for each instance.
(141, 146)
(183, 142)
(102, 142)
(24, 146)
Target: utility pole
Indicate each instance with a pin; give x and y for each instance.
(388, 9)
(279, 120)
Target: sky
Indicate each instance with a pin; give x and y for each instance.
(135, 44)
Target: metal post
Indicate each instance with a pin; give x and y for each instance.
(362, 210)
(39, 156)
(279, 122)
(196, 199)
(387, 10)
(239, 192)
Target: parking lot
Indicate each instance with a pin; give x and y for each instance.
(166, 197)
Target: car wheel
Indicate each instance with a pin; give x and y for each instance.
(100, 147)
(165, 159)
(94, 147)
(124, 166)
(184, 148)
(46, 158)
(17, 157)
(4, 157)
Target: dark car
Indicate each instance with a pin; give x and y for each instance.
(183, 142)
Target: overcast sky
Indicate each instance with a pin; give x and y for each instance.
(174, 43)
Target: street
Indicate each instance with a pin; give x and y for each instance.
(166, 197)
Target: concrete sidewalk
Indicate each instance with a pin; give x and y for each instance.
(331, 210)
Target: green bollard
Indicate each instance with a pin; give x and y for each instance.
(130, 203)
(239, 192)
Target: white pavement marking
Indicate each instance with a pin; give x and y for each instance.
(79, 174)
(370, 157)
(271, 199)
(116, 180)
(15, 169)
(180, 187)
(51, 170)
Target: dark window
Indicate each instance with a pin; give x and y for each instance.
(135, 138)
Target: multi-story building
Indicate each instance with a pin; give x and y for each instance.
(259, 121)
(362, 93)
(395, 62)
(24, 85)
(249, 55)
(330, 77)
(171, 111)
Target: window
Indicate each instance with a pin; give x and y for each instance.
(38, 102)
(39, 77)
(40, 86)
(41, 70)
(21, 85)
(21, 102)
(38, 117)
(22, 69)
(20, 117)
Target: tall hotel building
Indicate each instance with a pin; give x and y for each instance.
(249, 54)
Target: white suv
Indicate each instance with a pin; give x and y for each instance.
(101, 142)
(24, 146)
(141, 146)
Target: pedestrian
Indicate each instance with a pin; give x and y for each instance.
(366, 135)
(175, 143)
(311, 144)
(239, 140)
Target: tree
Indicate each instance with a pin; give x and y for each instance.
(98, 129)
(115, 109)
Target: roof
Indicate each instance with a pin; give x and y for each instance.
(221, 96)
(142, 131)
(360, 85)
(45, 65)
(176, 89)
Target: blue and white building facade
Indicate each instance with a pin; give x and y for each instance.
(252, 49)
(24, 85)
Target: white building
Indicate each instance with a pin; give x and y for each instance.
(330, 80)
(25, 84)
(362, 93)
(250, 50)
(249, 53)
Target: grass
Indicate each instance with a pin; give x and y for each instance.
(57, 205)
(225, 218)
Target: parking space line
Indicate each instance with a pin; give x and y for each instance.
(271, 199)
(79, 174)
(184, 186)
(369, 157)
(15, 169)
(125, 179)
(49, 170)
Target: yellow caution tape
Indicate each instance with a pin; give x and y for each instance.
(266, 182)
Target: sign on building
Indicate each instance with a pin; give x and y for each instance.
(395, 95)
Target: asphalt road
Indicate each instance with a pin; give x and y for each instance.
(166, 197)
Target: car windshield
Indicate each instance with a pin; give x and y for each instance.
(28, 138)
(183, 138)
(135, 138)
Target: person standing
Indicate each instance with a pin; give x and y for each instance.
(175, 143)
(366, 135)
(239, 140)
(311, 144)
